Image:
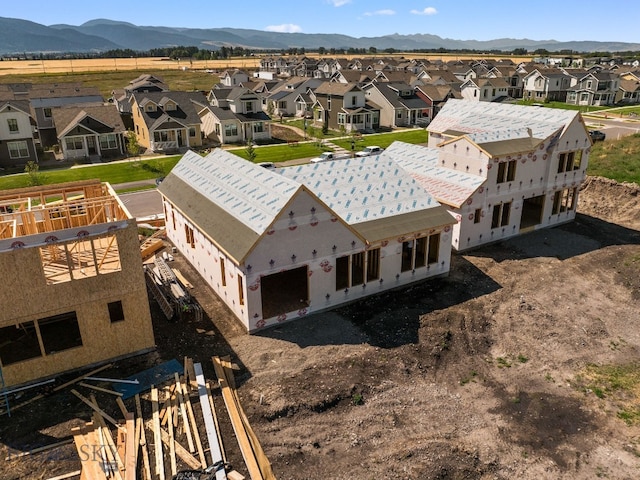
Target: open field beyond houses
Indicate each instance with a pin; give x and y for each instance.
(21, 67)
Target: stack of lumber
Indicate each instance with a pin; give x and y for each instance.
(158, 441)
(152, 244)
(252, 452)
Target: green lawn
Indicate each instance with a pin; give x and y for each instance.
(415, 135)
(563, 106)
(618, 160)
(281, 153)
(113, 173)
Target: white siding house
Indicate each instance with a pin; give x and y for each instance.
(501, 169)
(279, 245)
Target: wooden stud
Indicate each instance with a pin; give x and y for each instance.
(122, 407)
(100, 389)
(172, 446)
(66, 475)
(190, 460)
(143, 442)
(236, 422)
(183, 413)
(96, 409)
(131, 447)
(157, 438)
(194, 429)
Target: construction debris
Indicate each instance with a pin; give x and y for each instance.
(171, 418)
(170, 293)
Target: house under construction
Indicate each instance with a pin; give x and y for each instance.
(74, 291)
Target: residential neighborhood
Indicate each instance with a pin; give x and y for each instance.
(366, 278)
(358, 95)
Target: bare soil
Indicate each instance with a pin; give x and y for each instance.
(475, 376)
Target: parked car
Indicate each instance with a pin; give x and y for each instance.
(371, 150)
(327, 157)
(267, 165)
(597, 135)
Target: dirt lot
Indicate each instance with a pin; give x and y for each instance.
(482, 375)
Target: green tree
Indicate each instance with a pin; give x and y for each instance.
(32, 169)
(251, 152)
(133, 146)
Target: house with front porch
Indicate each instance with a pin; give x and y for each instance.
(90, 131)
(628, 92)
(234, 115)
(546, 84)
(282, 100)
(17, 146)
(167, 121)
(399, 104)
(344, 106)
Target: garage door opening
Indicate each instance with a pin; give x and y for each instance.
(532, 209)
(284, 292)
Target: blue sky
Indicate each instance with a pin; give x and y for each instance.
(615, 20)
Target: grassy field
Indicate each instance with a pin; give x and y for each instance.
(618, 160)
(106, 82)
(282, 153)
(416, 135)
(563, 106)
(113, 173)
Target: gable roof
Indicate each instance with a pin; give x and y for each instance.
(463, 116)
(99, 119)
(444, 184)
(363, 188)
(186, 113)
(232, 200)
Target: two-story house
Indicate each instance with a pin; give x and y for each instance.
(502, 169)
(45, 97)
(282, 99)
(142, 84)
(435, 96)
(167, 121)
(233, 78)
(399, 105)
(344, 106)
(595, 88)
(550, 84)
(485, 89)
(234, 115)
(17, 146)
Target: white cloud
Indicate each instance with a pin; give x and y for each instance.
(338, 3)
(380, 12)
(284, 28)
(426, 11)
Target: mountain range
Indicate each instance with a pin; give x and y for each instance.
(19, 36)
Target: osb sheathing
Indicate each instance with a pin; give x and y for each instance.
(25, 296)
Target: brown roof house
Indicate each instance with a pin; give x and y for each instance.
(344, 106)
(92, 132)
(167, 121)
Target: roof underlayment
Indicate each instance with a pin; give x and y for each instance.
(484, 117)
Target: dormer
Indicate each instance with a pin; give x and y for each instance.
(168, 105)
(148, 105)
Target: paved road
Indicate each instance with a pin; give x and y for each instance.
(614, 127)
(144, 204)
